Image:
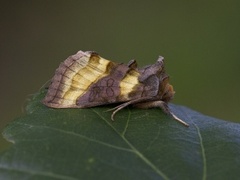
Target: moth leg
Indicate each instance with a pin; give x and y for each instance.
(118, 108)
(123, 105)
(163, 105)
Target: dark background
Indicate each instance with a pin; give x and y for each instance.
(200, 41)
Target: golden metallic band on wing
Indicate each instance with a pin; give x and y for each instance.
(74, 76)
(83, 76)
(128, 83)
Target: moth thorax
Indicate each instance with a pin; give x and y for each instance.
(168, 93)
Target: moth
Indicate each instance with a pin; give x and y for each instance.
(87, 80)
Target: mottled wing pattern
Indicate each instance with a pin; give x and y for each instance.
(113, 88)
(74, 77)
(87, 80)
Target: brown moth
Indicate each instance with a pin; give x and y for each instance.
(86, 80)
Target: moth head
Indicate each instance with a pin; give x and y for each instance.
(166, 90)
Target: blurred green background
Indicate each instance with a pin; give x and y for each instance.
(200, 41)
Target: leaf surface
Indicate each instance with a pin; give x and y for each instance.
(76, 144)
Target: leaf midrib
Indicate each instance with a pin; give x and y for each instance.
(133, 148)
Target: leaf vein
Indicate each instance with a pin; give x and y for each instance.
(135, 150)
(83, 137)
(204, 177)
(46, 174)
(126, 126)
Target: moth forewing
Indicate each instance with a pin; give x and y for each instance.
(87, 80)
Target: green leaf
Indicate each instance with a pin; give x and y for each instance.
(141, 144)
